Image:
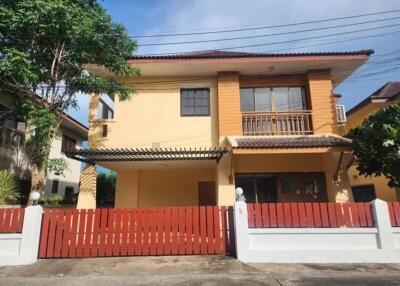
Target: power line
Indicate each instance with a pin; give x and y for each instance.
(266, 27)
(266, 35)
(287, 41)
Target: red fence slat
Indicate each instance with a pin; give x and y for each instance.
(196, 230)
(168, 225)
(124, 230)
(217, 230)
(117, 232)
(189, 230)
(265, 215)
(279, 215)
(160, 229)
(88, 233)
(58, 239)
(96, 233)
(132, 231)
(182, 225)
(44, 234)
(153, 231)
(250, 215)
(210, 230)
(139, 232)
(203, 230)
(174, 233)
(66, 233)
(257, 213)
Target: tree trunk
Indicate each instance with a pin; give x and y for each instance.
(38, 176)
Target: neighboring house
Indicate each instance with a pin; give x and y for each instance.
(71, 133)
(368, 188)
(202, 124)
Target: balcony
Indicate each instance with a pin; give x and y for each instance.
(277, 123)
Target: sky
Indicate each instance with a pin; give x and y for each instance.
(147, 17)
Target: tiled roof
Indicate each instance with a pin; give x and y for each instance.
(216, 54)
(387, 91)
(307, 141)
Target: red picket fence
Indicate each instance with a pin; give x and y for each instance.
(316, 215)
(135, 232)
(11, 220)
(394, 212)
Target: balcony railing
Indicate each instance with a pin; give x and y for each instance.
(277, 123)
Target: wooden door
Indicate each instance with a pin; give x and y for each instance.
(207, 195)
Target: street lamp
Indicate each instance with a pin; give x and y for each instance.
(35, 198)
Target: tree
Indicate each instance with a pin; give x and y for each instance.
(8, 187)
(44, 47)
(376, 145)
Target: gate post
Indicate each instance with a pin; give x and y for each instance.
(241, 230)
(380, 212)
(31, 234)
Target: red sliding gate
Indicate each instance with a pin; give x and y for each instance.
(135, 232)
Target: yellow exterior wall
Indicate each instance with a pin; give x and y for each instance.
(382, 190)
(127, 188)
(355, 119)
(153, 117)
(152, 188)
(322, 103)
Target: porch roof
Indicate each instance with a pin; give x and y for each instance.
(92, 156)
(306, 141)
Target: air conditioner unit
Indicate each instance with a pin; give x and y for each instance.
(341, 113)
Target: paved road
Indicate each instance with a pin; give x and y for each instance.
(193, 270)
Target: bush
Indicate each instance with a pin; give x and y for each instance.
(51, 200)
(8, 187)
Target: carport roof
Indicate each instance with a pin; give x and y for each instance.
(92, 156)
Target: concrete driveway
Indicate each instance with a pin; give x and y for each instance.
(193, 270)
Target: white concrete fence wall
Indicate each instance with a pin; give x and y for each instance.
(22, 248)
(378, 244)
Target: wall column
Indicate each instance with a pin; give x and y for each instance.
(229, 115)
(225, 181)
(339, 191)
(87, 190)
(322, 102)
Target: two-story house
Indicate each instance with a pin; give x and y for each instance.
(202, 124)
(369, 188)
(70, 134)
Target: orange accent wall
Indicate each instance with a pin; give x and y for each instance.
(273, 81)
(229, 115)
(322, 103)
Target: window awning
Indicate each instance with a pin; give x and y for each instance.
(92, 156)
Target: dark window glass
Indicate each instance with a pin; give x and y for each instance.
(262, 99)
(67, 144)
(195, 102)
(69, 194)
(363, 193)
(263, 188)
(54, 187)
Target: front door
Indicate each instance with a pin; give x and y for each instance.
(207, 195)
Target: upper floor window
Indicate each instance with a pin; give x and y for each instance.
(195, 102)
(272, 99)
(67, 144)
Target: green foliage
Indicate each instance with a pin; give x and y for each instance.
(376, 145)
(42, 127)
(51, 200)
(57, 166)
(44, 48)
(45, 44)
(8, 187)
(105, 192)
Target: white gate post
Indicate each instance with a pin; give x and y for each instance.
(241, 231)
(31, 234)
(380, 212)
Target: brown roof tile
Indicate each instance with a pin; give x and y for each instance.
(309, 141)
(217, 54)
(387, 91)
